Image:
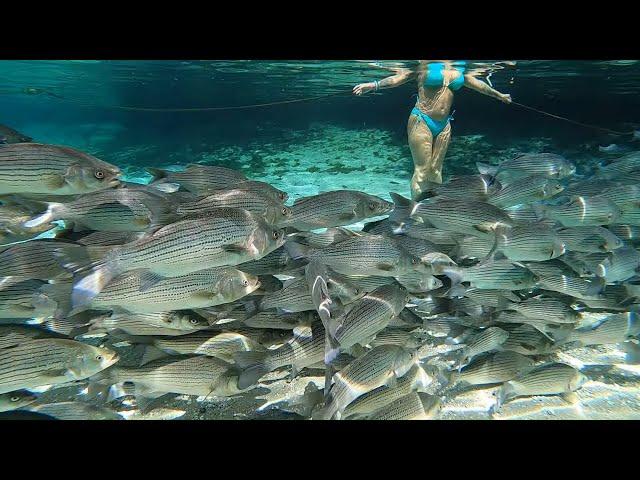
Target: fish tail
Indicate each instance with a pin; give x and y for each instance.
(53, 212)
(486, 169)
(85, 290)
(402, 208)
(249, 358)
(157, 173)
(297, 250)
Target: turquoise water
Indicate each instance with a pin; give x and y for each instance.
(168, 114)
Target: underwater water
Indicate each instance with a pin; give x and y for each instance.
(297, 126)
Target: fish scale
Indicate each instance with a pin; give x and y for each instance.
(530, 242)
(485, 341)
(589, 239)
(213, 344)
(12, 335)
(163, 323)
(75, 411)
(294, 297)
(527, 340)
(546, 308)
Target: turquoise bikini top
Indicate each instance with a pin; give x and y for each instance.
(435, 76)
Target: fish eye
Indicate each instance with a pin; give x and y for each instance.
(245, 283)
(372, 205)
(99, 174)
(99, 358)
(15, 398)
(285, 211)
(193, 321)
(276, 234)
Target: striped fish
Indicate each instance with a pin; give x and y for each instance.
(549, 379)
(198, 178)
(414, 406)
(545, 308)
(212, 344)
(273, 212)
(469, 187)
(526, 190)
(380, 366)
(544, 164)
(493, 368)
(581, 211)
(395, 336)
(294, 297)
(199, 289)
(611, 329)
(629, 233)
(590, 239)
(415, 379)
(497, 274)
(620, 167)
(115, 210)
(529, 242)
(557, 279)
(165, 323)
(329, 236)
(52, 169)
(620, 265)
(226, 237)
(197, 375)
(461, 216)
(109, 238)
(626, 197)
(365, 255)
(335, 208)
(49, 362)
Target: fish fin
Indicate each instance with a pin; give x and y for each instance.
(570, 397)
(249, 358)
(386, 267)
(151, 353)
(297, 250)
(166, 187)
(85, 290)
(251, 376)
(54, 181)
(148, 279)
(51, 214)
(157, 173)
(235, 248)
(486, 169)
(333, 350)
(597, 286)
(454, 275)
(392, 382)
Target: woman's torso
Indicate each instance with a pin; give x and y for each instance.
(437, 83)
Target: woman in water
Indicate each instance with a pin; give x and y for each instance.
(428, 128)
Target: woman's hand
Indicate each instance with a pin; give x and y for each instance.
(505, 98)
(364, 88)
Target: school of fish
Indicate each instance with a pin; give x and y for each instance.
(206, 284)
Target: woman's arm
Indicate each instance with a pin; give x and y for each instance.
(484, 88)
(403, 76)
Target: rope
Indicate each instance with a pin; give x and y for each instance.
(213, 109)
(615, 132)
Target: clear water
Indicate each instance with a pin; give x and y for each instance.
(120, 111)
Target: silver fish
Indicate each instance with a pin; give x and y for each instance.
(164, 323)
(75, 411)
(335, 208)
(485, 341)
(15, 400)
(549, 379)
(199, 289)
(498, 274)
(581, 211)
(526, 190)
(546, 164)
(52, 169)
(49, 362)
(493, 368)
(589, 239)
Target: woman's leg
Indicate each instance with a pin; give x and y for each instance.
(420, 140)
(439, 151)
